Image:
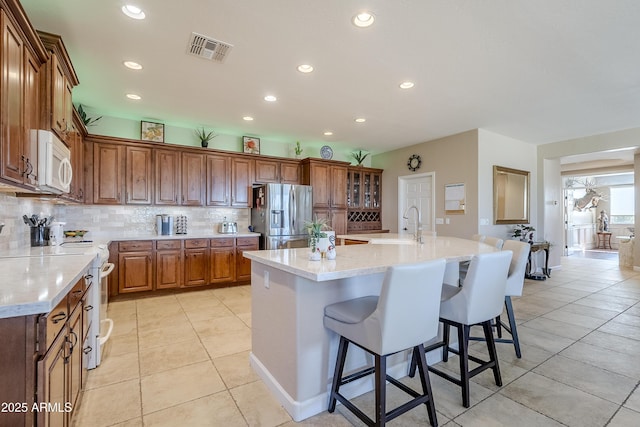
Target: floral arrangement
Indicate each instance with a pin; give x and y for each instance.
(523, 232)
(316, 229)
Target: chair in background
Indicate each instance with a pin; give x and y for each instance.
(494, 241)
(404, 317)
(491, 241)
(478, 301)
(478, 237)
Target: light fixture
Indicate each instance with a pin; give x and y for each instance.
(270, 98)
(360, 120)
(132, 65)
(134, 96)
(133, 11)
(406, 85)
(305, 68)
(328, 133)
(247, 118)
(363, 19)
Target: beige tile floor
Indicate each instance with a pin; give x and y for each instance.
(182, 360)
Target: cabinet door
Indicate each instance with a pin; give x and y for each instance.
(167, 165)
(52, 382)
(243, 265)
(135, 272)
(107, 174)
(338, 218)
(75, 357)
(290, 173)
(76, 145)
(196, 262)
(218, 180)
(31, 117)
(338, 187)
(193, 179)
(320, 179)
(59, 106)
(241, 182)
(138, 176)
(222, 265)
(168, 269)
(11, 103)
(267, 171)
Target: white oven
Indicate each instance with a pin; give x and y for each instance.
(105, 324)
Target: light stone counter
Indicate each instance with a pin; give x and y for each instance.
(291, 350)
(36, 284)
(190, 235)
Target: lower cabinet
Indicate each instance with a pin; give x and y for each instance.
(135, 266)
(243, 265)
(222, 265)
(196, 260)
(169, 264)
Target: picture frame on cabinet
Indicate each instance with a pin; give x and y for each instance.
(150, 131)
(251, 144)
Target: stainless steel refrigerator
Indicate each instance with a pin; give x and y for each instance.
(279, 213)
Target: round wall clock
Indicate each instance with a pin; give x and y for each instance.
(326, 152)
(414, 162)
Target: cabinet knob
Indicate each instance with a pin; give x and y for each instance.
(88, 308)
(58, 317)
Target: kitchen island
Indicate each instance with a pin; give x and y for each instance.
(291, 350)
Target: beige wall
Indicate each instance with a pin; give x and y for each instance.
(452, 159)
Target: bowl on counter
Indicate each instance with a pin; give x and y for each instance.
(75, 233)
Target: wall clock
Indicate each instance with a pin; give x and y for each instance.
(414, 162)
(326, 152)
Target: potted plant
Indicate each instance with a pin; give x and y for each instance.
(205, 136)
(316, 230)
(359, 156)
(88, 121)
(298, 150)
(523, 232)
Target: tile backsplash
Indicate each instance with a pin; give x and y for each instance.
(101, 220)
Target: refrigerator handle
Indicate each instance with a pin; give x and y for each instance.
(292, 208)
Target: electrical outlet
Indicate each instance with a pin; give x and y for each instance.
(266, 279)
(439, 221)
(95, 218)
(447, 220)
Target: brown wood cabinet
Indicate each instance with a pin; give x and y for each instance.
(167, 167)
(196, 262)
(138, 176)
(329, 181)
(277, 171)
(75, 139)
(243, 265)
(218, 180)
(193, 179)
(242, 177)
(169, 264)
(364, 186)
(223, 261)
(31, 103)
(107, 174)
(135, 266)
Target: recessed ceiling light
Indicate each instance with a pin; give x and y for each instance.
(305, 68)
(134, 96)
(133, 11)
(406, 85)
(363, 19)
(247, 118)
(270, 98)
(360, 120)
(132, 65)
(328, 133)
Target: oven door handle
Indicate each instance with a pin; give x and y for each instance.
(105, 338)
(105, 272)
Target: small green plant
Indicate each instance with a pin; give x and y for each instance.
(359, 156)
(316, 230)
(88, 121)
(205, 136)
(298, 149)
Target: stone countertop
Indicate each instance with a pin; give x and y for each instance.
(36, 284)
(192, 235)
(356, 260)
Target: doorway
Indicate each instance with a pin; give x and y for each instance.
(418, 190)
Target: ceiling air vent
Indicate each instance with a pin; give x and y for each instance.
(208, 48)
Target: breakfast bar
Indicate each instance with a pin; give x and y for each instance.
(291, 350)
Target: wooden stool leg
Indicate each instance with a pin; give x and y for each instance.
(381, 388)
(426, 384)
(463, 345)
(337, 376)
(493, 355)
(513, 326)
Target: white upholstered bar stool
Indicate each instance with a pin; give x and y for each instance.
(478, 301)
(478, 237)
(493, 241)
(515, 282)
(403, 317)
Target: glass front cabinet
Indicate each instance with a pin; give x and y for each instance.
(363, 199)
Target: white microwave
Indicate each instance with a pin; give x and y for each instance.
(54, 164)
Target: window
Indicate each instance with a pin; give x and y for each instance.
(622, 205)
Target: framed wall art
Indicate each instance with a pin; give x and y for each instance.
(251, 144)
(454, 199)
(150, 131)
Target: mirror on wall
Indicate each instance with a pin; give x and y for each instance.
(510, 196)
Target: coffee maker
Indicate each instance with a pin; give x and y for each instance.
(164, 224)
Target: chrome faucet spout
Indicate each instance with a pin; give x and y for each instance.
(418, 235)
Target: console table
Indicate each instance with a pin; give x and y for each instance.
(604, 240)
(535, 247)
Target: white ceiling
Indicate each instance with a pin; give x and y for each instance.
(538, 71)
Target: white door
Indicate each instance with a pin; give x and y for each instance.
(419, 191)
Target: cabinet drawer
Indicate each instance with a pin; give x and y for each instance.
(196, 243)
(135, 246)
(75, 295)
(168, 244)
(221, 243)
(247, 241)
(51, 325)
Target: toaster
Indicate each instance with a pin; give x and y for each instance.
(228, 227)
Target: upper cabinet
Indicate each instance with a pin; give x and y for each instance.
(242, 177)
(21, 59)
(364, 187)
(277, 171)
(60, 78)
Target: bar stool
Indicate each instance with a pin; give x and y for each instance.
(403, 317)
(478, 301)
(493, 241)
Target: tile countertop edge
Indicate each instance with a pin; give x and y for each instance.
(72, 273)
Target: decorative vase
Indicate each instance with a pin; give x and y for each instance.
(315, 256)
(331, 253)
(205, 144)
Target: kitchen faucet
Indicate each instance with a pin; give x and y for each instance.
(418, 235)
